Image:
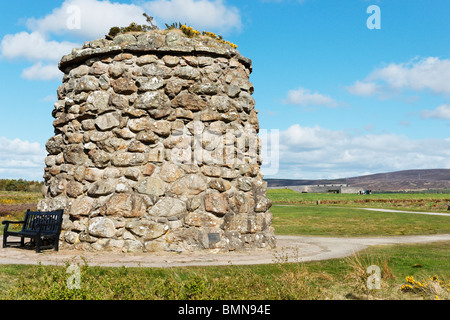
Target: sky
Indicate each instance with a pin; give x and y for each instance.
(343, 88)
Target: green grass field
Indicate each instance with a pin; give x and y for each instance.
(352, 222)
(339, 214)
(432, 202)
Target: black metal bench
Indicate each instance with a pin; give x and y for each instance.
(38, 226)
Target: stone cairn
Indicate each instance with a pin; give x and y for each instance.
(156, 147)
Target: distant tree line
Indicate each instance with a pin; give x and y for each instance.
(20, 185)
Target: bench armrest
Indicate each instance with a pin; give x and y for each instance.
(12, 222)
(7, 223)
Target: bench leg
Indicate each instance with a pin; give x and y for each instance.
(56, 245)
(22, 242)
(37, 241)
(4, 240)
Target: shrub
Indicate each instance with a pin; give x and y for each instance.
(174, 25)
(114, 31)
(133, 27)
(189, 31)
(432, 287)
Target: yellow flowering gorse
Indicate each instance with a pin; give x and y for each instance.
(414, 286)
(189, 31)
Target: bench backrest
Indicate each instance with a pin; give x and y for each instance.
(49, 222)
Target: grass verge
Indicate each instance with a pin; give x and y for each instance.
(337, 279)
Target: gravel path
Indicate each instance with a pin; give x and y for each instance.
(295, 248)
(400, 211)
(383, 210)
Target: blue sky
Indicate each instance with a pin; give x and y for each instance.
(346, 100)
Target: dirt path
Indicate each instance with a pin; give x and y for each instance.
(295, 248)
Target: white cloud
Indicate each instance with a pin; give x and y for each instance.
(365, 89)
(87, 19)
(316, 152)
(210, 15)
(92, 19)
(441, 112)
(40, 71)
(429, 73)
(15, 147)
(34, 46)
(304, 97)
(21, 159)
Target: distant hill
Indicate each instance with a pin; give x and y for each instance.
(407, 180)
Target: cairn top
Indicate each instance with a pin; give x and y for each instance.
(155, 41)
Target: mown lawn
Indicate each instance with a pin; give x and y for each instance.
(433, 202)
(328, 214)
(322, 220)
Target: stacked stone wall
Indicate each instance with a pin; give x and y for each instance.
(156, 147)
